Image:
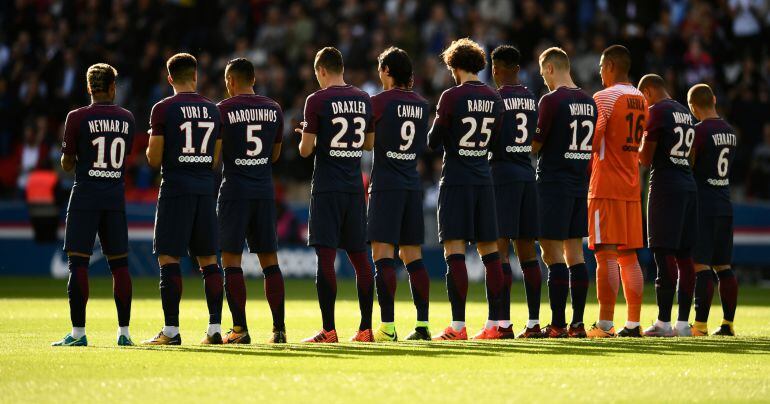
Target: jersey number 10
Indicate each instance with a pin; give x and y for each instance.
(117, 152)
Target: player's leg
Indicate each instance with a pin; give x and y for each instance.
(234, 217)
(79, 236)
(728, 284)
(578, 282)
(508, 201)
(533, 280)
(705, 277)
(324, 235)
(504, 316)
(631, 271)
(603, 239)
(385, 283)
(352, 240)
(275, 294)
(684, 261)
(457, 289)
(552, 253)
(113, 235)
(419, 283)
(203, 245)
(486, 234)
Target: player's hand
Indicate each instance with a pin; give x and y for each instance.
(301, 128)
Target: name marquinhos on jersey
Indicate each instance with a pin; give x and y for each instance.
(682, 118)
(194, 112)
(481, 106)
(582, 109)
(108, 125)
(409, 111)
(348, 107)
(517, 104)
(724, 139)
(252, 115)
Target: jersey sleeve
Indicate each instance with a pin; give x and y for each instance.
(377, 107)
(701, 135)
(441, 122)
(546, 114)
(312, 107)
(279, 131)
(370, 119)
(157, 119)
(654, 126)
(604, 112)
(71, 128)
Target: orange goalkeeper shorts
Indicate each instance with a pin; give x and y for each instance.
(612, 221)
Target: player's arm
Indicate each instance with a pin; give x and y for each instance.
(441, 122)
(369, 141)
(545, 117)
(278, 141)
(650, 138)
(276, 152)
(155, 151)
(69, 144)
(697, 144)
(309, 127)
(307, 143)
(217, 154)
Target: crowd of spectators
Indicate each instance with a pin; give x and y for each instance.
(46, 46)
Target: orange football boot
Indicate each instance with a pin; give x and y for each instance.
(363, 336)
(450, 334)
(551, 331)
(323, 337)
(488, 333)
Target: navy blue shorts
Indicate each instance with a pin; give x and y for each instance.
(467, 213)
(714, 242)
(517, 210)
(672, 220)
(186, 224)
(83, 226)
(249, 219)
(562, 217)
(337, 220)
(395, 217)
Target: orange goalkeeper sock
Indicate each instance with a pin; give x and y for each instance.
(633, 284)
(607, 282)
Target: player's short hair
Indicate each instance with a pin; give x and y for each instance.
(506, 56)
(242, 70)
(701, 96)
(330, 58)
(555, 56)
(465, 54)
(100, 77)
(181, 67)
(399, 65)
(620, 57)
(651, 81)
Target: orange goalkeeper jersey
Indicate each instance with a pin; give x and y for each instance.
(619, 127)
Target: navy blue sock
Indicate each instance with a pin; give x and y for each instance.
(578, 282)
(533, 283)
(704, 293)
(171, 293)
(213, 285)
(122, 289)
(505, 299)
(665, 282)
(77, 289)
(326, 285)
(419, 282)
(385, 282)
(457, 285)
(558, 289)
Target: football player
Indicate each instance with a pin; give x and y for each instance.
(185, 143)
(395, 216)
(712, 157)
(252, 131)
(614, 194)
(96, 140)
(515, 191)
(565, 129)
(672, 207)
(468, 118)
(338, 127)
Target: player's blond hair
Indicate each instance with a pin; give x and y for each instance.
(557, 57)
(100, 77)
(701, 96)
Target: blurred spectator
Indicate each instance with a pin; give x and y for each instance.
(758, 186)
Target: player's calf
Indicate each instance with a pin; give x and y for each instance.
(122, 290)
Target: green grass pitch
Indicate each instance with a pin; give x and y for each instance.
(35, 314)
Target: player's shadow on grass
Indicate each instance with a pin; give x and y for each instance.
(653, 346)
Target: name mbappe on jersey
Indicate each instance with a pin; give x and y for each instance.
(672, 126)
(400, 127)
(511, 150)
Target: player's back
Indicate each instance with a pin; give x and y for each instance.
(99, 135)
(340, 117)
(400, 127)
(714, 145)
(251, 125)
(622, 113)
(468, 116)
(190, 125)
(672, 126)
(566, 123)
(511, 150)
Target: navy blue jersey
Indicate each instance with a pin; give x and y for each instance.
(511, 150)
(400, 127)
(565, 128)
(673, 128)
(99, 136)
(714, 149)
(190, 125)
(468, 118)
(340, 117)
(251, 125)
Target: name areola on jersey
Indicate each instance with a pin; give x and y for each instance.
(108, 125)
(246, 115)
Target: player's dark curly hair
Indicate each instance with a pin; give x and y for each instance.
(399, 66)
(506, 56)
(100, 77)
(181, 67)
(330, 58)
(241, 70)
(465, 54)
